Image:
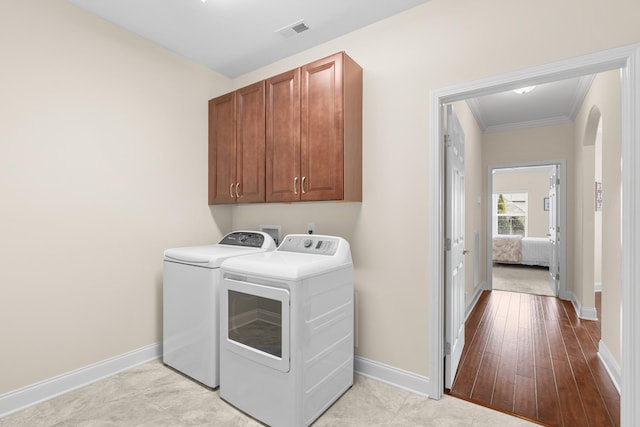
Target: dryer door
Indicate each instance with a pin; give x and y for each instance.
(255, 322)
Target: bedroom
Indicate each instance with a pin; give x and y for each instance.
(521, 217)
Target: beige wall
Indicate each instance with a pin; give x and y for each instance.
(535, 182)
(604, 97)
(103, 166)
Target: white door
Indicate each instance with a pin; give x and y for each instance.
(454, 246)
(554, 231)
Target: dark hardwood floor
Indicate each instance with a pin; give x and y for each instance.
(532, 356)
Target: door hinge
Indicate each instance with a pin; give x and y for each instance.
(447, 348)
(447, 244)
(447, 139)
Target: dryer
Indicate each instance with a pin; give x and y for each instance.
(191, 285)
(286, 324)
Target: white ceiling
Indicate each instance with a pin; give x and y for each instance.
(234, 37)
(547, 104)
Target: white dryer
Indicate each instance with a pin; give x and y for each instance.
(191, 287)
(286, 324)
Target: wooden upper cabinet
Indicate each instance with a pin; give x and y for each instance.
(237, 146)
(296, 136)
(222, 148)
(283, 137)
(319, 156)
(250, 144)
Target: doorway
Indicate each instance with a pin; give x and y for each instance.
(628, 60)
(526, 218)
(501, 376)
(593, 221)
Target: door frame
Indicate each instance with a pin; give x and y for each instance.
(627, 59)
(561, 213)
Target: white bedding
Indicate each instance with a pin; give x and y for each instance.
(536, 251)
(525, 250)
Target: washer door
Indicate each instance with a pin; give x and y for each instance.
(255, 322)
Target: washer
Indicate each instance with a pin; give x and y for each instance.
(191, 289)
(286, 325)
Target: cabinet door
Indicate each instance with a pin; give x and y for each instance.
(321, 137)
(250, 144)
(283, 137)
(222, 149)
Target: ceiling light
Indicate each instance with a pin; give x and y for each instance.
(524, 90)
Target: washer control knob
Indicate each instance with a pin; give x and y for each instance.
(308, 243)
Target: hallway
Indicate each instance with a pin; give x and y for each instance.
(532, 356)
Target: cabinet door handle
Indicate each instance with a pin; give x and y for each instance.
(231, 190)
(295, 185)
(237, 195)
(302, 184)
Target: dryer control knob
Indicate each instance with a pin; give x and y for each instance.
(308, 243)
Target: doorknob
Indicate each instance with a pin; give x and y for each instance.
(465, 251)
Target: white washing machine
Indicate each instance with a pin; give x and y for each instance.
(286, 324)
(191, 286)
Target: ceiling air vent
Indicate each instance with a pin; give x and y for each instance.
(293, 29)
(300, 27)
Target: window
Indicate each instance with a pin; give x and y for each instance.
(510, 213)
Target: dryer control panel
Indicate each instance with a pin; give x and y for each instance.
(310, 244)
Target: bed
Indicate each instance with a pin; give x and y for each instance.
(508, 249)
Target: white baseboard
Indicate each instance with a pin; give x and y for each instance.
(613, 369)
(566, 295)
(48, 389)
(394, 376)
(586, 313)
(476, 297)
(589, 313)
(23, 398)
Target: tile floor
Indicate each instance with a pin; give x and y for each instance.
(154, 395)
